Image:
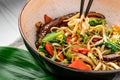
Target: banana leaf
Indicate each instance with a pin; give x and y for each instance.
(18, 64)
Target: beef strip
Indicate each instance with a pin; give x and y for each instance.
(94, 14)
(112, 57)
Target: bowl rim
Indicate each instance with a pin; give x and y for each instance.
(49, 60)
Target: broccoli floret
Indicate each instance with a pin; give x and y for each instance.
(97, 21)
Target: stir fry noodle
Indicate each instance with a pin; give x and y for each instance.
(86, 43)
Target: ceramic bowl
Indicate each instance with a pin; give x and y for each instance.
(34, 11)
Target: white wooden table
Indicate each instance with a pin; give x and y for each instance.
(9, 32)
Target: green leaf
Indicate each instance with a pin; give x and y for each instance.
(51, 36)
(45, 78)
(42, 50)
(97, 21)
(18, 64)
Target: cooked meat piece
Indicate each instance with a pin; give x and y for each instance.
(94, 14)
(37, 44)
(112, 57)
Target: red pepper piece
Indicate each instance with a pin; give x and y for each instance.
(79, 64)
(47, 19)
(49, 48)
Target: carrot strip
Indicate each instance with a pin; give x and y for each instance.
(49, 48)
(61, 55)
(81, 50)
(68, 39)
(79, 64)
(75, 50)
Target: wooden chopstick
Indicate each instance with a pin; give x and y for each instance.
(87, 9)
(81, 7)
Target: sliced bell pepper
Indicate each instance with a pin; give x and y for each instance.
(79, 64)
(61, 55)
(81, 50)
(49, 48)
(68, 39)
(47, 19)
